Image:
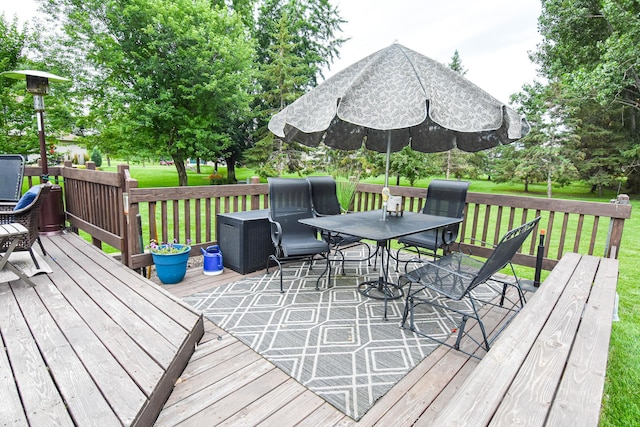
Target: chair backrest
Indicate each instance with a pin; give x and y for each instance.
(447, 198)
(289, 201)
(506, 249)
(11, 176)
(324, 195)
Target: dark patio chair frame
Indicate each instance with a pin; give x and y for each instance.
(29, 216)
(325, 203)
(289, 201)
(444, 198)
(453, 277)
(11, 177)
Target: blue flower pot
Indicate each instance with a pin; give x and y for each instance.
(171, 268)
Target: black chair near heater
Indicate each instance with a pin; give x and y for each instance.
(450, 279)
(289, 201)
(325, 202)
(444, 198)
(11, 176)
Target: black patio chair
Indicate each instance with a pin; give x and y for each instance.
(454, 277)
(289, 201)
(444, 198)
(11, 176)
(325, 202)
(27, 215)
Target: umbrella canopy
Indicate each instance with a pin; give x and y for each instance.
(397, 97)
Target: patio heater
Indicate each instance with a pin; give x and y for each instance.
(52, 212)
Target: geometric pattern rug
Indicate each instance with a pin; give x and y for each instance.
(333, 341)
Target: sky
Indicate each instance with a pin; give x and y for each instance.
(493, 37)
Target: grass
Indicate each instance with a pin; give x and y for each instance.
(621, 403)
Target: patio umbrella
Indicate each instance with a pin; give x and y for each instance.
(397, 97)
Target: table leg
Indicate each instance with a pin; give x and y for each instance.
(381, 288)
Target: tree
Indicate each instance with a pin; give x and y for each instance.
(592, 47)
(457, 162)
(295, 41)
(19, 49)
(412, 165)
(173, 76)
(549, 152)
(16, 117)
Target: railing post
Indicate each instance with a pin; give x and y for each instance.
(616, 225)
(126, 211)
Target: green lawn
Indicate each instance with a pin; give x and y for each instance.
(622, 389)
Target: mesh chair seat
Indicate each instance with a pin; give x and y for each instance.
(449, 276)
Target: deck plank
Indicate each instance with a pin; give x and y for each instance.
(215, 368)
(99, 343)
(125, 307)
(171, 307)
(101, 339)
(93, 343)
(76, 384)
(213, 391)
(533, 389)
(117, 326)
(42, 403)
(581, 389)
(294, 411)
(256, 412)
(238, 399)
(482, 390)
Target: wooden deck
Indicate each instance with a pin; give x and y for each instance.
(227, 383)
(93, 343)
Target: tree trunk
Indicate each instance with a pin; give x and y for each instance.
(448, 163)
(231, 168)
(198, 165)
(182, 172)
(549, 184)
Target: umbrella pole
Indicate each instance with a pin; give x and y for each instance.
(386, 170)
(385, 190)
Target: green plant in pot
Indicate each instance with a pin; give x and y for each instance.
(346, 191)
(171, 260)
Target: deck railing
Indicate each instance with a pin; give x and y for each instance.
(592, 228)
(112, 209)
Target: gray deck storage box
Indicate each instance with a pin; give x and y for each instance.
(245, 240)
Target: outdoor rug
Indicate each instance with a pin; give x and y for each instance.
(334, 341)
(22, 260)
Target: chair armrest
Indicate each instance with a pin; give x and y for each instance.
(276, 232)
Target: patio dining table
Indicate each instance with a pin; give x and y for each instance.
(370, 225)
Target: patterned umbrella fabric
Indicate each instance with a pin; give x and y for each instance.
(397, 97)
